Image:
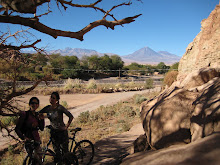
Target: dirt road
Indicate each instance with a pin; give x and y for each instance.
(78, 103)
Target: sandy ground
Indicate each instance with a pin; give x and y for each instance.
(78, 103)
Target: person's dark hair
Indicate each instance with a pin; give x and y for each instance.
(57, 95)
(33, 98)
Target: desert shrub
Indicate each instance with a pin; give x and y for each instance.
(131, 83)
(72, 83)
(149, 83)
(138, 99)
(119, 85)
(123, 127)
(91, 84)
(126, 111)
(102, 113)
(170, 77)
(83, 117)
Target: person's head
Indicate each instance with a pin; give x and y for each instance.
(34, 103)
(54, 98)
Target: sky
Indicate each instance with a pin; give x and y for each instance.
(165, 25)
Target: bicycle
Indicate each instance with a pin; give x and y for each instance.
(81, 152)
(68, 158)
(31, 158)
(84, 149)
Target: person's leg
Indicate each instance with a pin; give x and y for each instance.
(65, 142)
(56, 147)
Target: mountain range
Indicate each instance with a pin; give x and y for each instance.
(142, 56)
(148, 56)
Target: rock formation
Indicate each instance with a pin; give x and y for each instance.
(184, 120)
(185, 112)
(189, 109)
(204, 51)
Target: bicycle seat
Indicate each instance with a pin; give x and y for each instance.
(75, 129)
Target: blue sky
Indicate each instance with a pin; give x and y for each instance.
(165, 25)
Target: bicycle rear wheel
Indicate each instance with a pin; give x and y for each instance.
(84, 151)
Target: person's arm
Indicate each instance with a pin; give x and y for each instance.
(41, 122)
(67, 113)
(20, 124)
(44, 110)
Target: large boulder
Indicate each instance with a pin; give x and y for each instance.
(185, 112)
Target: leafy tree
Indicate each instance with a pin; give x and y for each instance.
(71, 66)
(93, 62)
(136, 68)
(117, 62)
(56, 61)
(105, 62)
(175, 66)
(162, 68)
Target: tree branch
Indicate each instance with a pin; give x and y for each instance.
(35, 24)
(5, 46)
(15, 94)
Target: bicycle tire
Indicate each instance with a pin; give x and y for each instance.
(70, 159)
(84, 151)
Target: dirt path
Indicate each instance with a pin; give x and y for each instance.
(87, 102)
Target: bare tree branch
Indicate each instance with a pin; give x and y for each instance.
(35, 24)
(14, 94)
(5, 46)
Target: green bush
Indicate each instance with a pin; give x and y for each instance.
(149, 83)
(84, 117)
(138, 99)
(123, 127)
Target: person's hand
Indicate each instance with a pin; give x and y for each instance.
(26, 139)
(41, 116)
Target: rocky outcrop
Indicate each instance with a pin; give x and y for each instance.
(204, 51)
(185, 112)
(182, 124)
(202, 152)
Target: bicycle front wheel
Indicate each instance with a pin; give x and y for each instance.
(84, 151)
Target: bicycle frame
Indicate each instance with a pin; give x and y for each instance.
(73, 140)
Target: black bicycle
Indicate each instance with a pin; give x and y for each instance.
(84, 149)
(68, 158)
(34, 158)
